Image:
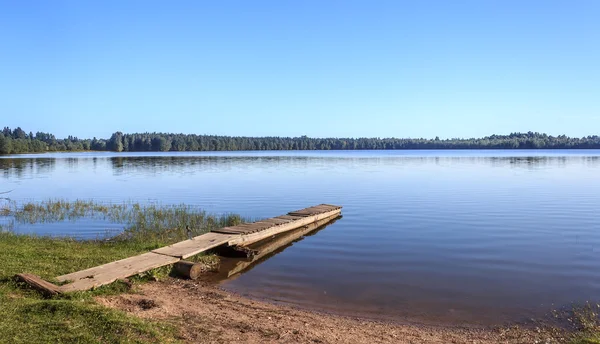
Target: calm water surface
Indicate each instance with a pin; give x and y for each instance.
(477, 237)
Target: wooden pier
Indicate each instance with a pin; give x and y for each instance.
(265, 249)
(240, 235)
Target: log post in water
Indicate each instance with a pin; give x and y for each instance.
(189, 269)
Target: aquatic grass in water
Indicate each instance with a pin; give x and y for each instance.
(159, 224)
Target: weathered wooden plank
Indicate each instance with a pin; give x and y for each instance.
(243, 228)
(259, 225)
(303, 213)
(247, 228)
(111, 272)
(89, 273)
(277, 221)
(289, 217)
(300, 214)
(309, 213)
(232, 231)
(272, 222)
(192, 247)
(46, 288)
(299, 210)
(236, 230)
(323, 206)
(327, 206)
(332, 206)
(244, 225)
(313, 210)
(271, 246)
(254, 237)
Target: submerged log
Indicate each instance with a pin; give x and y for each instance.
(189, 269)
(46, 288)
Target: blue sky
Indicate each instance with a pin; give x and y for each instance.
(287, 68)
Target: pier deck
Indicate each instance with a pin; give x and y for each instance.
(241, 235)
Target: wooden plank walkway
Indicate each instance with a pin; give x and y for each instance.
(252, 237)
(108, 273)
(244, 234)
(293, 217)
(194, 246)
(269, 247)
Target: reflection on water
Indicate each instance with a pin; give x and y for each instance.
(36, 167)
(460, 237)
(26, 168)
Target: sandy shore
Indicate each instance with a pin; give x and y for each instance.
(206, 314)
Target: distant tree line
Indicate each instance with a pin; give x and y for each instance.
(18, 141)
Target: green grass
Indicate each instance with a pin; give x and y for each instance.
(31, 320)
(26, 317)
(74, 318)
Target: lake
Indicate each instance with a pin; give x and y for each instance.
(445, 237)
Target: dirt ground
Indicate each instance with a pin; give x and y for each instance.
(206, 314)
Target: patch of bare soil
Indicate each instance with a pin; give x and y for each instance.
(206, 314)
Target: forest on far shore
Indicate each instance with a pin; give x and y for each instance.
(16, 141)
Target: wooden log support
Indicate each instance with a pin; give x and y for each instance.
(46, 288)
(189, 270)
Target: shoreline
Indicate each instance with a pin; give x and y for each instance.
(205, 313)
(391, 319)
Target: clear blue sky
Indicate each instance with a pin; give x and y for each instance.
(287, 68)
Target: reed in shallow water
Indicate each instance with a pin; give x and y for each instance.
(160, 224)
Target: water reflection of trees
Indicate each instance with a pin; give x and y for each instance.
(156, 164)
(528, 162)
(25, 167)
(28, 167)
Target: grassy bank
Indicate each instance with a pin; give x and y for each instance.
(28, 318)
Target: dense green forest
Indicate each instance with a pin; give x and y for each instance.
(19, 141)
